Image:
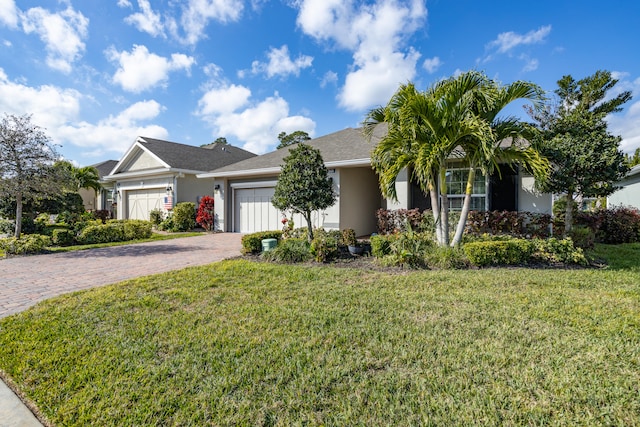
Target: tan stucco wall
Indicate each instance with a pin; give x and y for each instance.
(189, 188)
(141, 161)
(403, 191)
(88, 199)
(359, 200)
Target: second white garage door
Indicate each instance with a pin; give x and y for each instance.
(254, 211)
(141, 202)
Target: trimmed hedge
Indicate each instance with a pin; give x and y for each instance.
(499, 252)
(26, 244)
(252, 243)
(63, 237)
(116, 231)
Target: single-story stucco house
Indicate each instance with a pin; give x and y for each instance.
(157, 174)
(629, 192)
(243, 190)
(100, 200)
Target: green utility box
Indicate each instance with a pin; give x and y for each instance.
(268, 244)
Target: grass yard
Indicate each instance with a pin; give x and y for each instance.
(242, 343)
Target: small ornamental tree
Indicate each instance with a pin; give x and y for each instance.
(206, 216)
(304, 185)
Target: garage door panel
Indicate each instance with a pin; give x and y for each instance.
(141, 202)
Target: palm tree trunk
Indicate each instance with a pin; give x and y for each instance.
(462, 222)
(435, 210)
(444, 210)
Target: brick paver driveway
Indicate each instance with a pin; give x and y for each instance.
(24, 281)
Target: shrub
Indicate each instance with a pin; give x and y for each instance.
(63, 237)
(166, 224)
(405, 249)
(348, 237)
(252, 243)
(381, 245)
(103, 233)
(184, 218)
(499, 252)
(582, 237)
(446, 258)
(7, 226)
(324, 247)
(26, 244)
(206, 215)
(554, 250)
(135, 229)
(103, 215)
(619, 225)
(156, 216)
(289, 251)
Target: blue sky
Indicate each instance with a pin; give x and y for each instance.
(97, 74)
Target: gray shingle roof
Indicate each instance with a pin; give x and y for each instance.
(342, 146)
(104, 168)
(188, 157)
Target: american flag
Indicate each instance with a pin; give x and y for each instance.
(168, 202)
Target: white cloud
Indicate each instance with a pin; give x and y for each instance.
(147, 20)
(230, 111)
(140, 70)
(627, 122)
(56, 110)
(330, 77)
(506, 42)
(531, 64)
(280, 63)
(8, 13)
(376, 34)
(124, 3)
(114, 134)
(197, 14)
(62, 33)
(432, 64)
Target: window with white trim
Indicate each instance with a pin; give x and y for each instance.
(456, 185)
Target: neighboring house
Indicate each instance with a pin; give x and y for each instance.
(243, 190)
(629, 192)
(100, 200)
(157, 174)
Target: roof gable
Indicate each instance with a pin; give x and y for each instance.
(149, 153)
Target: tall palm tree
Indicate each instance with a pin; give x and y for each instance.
(454, 118)
(507, 143)
(423, 131)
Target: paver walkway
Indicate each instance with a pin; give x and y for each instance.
(24, 281)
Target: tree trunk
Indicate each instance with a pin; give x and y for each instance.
(18, 230)
(568, 216)
(444, 210)
(462, 222)
(435, 210)
(307, 217)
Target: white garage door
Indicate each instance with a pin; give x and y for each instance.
(254, 211)
(141, 202)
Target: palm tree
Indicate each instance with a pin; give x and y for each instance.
(86, 177)
(455, 118)
(508, 141)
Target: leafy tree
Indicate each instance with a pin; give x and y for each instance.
(221, 140)
(76, 178)
(633, 160)
(303, 185)
(26, 163)
(425, 131)
(206, 215)
(585, 156)
(292, 138)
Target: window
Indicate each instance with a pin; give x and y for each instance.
(456, 184)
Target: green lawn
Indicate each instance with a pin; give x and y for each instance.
(242, 343)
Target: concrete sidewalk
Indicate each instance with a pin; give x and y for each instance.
(25, 281)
